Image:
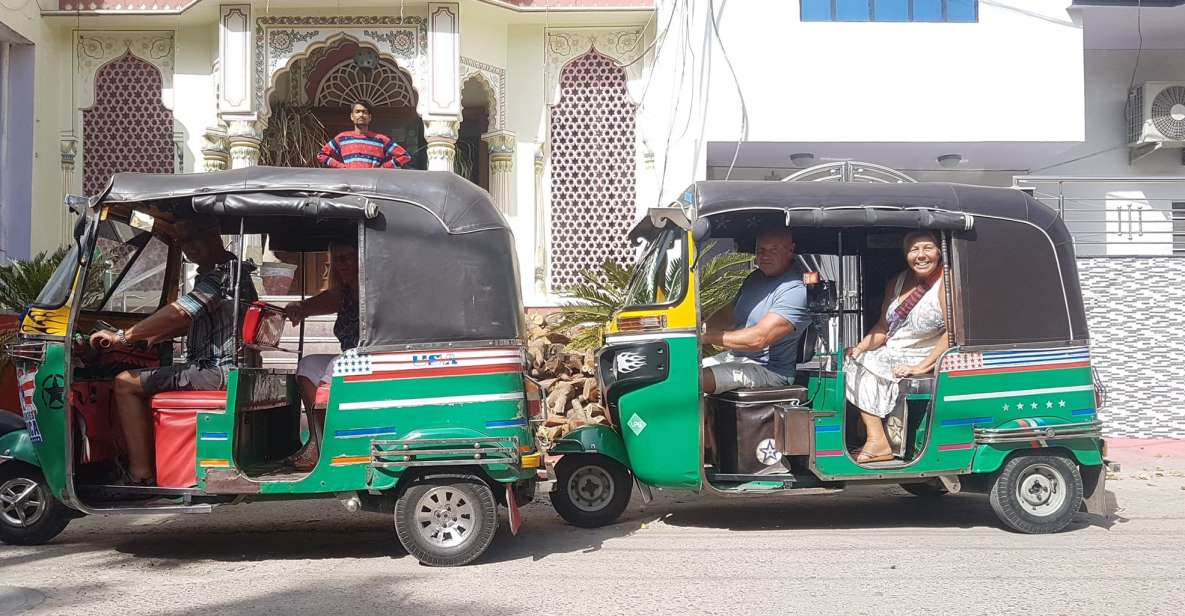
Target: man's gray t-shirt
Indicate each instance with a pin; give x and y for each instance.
(783, 295)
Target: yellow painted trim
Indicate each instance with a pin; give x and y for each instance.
(214, 464)
(680, 316)
(347, 460)
(534, 460)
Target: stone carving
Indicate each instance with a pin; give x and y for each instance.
(280, 41)
(564, 44)
(494, 79)
(94, 49)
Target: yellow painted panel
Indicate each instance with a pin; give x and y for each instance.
(680, 316)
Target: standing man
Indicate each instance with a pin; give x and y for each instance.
(362, 149)
(761, 329)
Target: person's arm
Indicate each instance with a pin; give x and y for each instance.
(879, 333)
(173, 319)
(330, 155)
(326, 302)
(395, 156)
(768, 330)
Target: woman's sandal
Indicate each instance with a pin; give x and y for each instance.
(867, 458)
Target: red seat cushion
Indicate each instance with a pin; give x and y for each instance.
(199, 400)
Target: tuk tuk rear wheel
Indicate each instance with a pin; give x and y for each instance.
(1037, 494)
(29, 513)
(590, 490)
(446, 521)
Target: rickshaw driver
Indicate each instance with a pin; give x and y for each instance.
(768, 318)
(206, 314)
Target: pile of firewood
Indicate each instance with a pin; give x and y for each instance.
(569, 378)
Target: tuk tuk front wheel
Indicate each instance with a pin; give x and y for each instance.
(1037, 494)
(446, 521)
(29, 514)
(590, 490)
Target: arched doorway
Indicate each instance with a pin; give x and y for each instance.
(477, 110)
(311, 100)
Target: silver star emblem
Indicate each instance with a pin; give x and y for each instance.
(767, 452)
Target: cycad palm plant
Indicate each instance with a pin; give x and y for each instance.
(605, 290)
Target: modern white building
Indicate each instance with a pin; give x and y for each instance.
(579, 114)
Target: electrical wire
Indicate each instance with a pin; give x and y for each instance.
(744, 134)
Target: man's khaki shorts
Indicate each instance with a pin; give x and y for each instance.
(736, 372)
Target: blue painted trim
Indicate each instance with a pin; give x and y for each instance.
(965, 422)
(506, 423)
(1081, 412)
(823, 429)
(214, 436)
(360, 432)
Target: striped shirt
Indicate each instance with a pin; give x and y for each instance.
(211, 341)
(355, 149)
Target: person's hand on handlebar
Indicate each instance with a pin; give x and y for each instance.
(105, 339)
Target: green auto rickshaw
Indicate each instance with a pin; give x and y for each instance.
(1011, 408)
(426, 420)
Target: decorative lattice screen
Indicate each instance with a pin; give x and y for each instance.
(382, 86)
(592, 168)
(128, 129)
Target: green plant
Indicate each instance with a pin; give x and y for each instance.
(604, 291)
(22, 281)
(293, 137)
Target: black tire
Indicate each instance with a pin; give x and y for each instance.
(1037, 494)
(930, 489)
(446, 521)
(590, 490)
(29, 514)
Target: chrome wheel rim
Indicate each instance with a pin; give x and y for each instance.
(22, 502)
(1041, 490)
(446, 517)
(591, 488)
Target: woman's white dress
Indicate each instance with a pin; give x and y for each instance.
(870, 383)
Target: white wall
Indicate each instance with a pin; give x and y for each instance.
(866, 82)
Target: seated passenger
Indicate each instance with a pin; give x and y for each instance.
(907, 341)
(207, 314)
(342, 298)
(762, 327)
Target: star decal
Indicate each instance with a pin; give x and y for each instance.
(55, 389)
(1061, 403)
(1020, 405)
(1006, 407)
(1033, 406)
(1049, 404)
(768, 452)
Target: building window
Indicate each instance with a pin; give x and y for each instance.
(890, 10)
(1179, 228)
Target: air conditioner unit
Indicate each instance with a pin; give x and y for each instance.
(1156, 115)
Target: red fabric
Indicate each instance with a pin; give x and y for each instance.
(94, 406)
(176, 447)
(190, 400)
(9, 393)
(357, 150)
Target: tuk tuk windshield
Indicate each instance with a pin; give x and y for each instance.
(660, 275)
(57, 290)
(127, 271)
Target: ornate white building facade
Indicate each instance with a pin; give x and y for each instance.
(532, 100)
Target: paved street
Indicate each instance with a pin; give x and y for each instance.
(869, 551)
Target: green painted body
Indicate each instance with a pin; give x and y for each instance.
(666, 453)
(17, 446)
(344, 464)
(598, 439)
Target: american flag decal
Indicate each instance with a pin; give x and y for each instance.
(27, 383)
(1024, 360)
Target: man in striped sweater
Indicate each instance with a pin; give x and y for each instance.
(362, 149)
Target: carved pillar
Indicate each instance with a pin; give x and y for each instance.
(441, 135)
(69, 152)
(215, 155)
(234, 59)
(444, 55)
(502, 150)
(243, 143)
(541, 256)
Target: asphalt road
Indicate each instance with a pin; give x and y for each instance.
(872, 551)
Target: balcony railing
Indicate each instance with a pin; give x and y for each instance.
(1117, 216)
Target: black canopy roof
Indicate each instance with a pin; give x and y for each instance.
(934, 205)
(459, 205)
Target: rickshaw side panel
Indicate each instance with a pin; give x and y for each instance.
(47, 432)
(595, 438)
(989, 458)
(661, 422)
